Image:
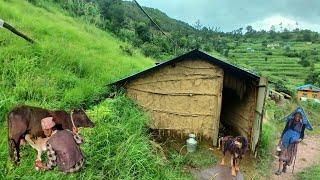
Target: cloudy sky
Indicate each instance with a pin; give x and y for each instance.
(232, 14)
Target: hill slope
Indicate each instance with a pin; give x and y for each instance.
(71, 62)
(274, 63)
(70, 66)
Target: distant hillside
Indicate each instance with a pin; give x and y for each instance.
(167, 23)
(278, 60)
(288, 58)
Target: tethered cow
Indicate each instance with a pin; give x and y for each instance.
(24, 120)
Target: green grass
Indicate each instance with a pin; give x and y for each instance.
(70, 66)
(202, 158)
(309, 173)
(277, 66)
(117, 148)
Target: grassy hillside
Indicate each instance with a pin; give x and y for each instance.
(70, 66)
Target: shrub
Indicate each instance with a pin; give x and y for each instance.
(304, 62)
(151, 50)
(269, 53)
(126, 49)
(281, 87)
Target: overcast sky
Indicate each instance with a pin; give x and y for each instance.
(232, 14)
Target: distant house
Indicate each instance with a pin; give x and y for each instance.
(273, 45)
(249, 49)
(308, 91)
(196, 93)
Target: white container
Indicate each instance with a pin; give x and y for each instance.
(191, 143)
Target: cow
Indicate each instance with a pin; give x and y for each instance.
(23, 120)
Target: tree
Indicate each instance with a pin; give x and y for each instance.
(198, 25)
(112, 11)
(272, 32)
(281, 87)
(264, 43)
(143, 32)
(249, 30)
(306, 35)
(285, 34)
(313, 78)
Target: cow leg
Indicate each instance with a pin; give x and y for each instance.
(17, 128)
(12, 148)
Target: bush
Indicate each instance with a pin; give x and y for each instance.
(281, 87)
(304, 62)
(126, 49)
(269, 53)
(151, 50)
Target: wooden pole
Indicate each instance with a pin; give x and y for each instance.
(14, 30)
(294, 161)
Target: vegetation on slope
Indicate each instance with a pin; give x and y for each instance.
(294, 59)
(70, 66)
(117, 147)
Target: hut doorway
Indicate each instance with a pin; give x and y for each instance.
(227, 123)
(237, 107)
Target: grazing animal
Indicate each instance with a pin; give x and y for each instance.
(24, 120)
(237, 147)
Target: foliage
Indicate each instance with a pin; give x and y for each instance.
(58, 71)
(117, 147)
(69, 66)
(310, 173)
(313, 78)
(281, 87)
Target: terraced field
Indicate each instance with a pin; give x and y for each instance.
(272, 63)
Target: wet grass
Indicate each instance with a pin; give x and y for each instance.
(70, 66)
(309, 173)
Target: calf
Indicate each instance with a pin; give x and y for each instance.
(38, 144)
(24, 120)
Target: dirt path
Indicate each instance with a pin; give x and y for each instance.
(217, 173)
(308, 154)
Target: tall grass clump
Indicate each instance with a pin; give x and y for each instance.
(266, 146)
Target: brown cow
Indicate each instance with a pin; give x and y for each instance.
(24, 120)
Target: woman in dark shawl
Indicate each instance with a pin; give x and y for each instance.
(292, 134)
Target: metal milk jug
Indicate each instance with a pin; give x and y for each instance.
(191, 143)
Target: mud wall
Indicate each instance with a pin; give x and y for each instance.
(184, 97)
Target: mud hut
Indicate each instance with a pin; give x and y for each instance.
(198, 93)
